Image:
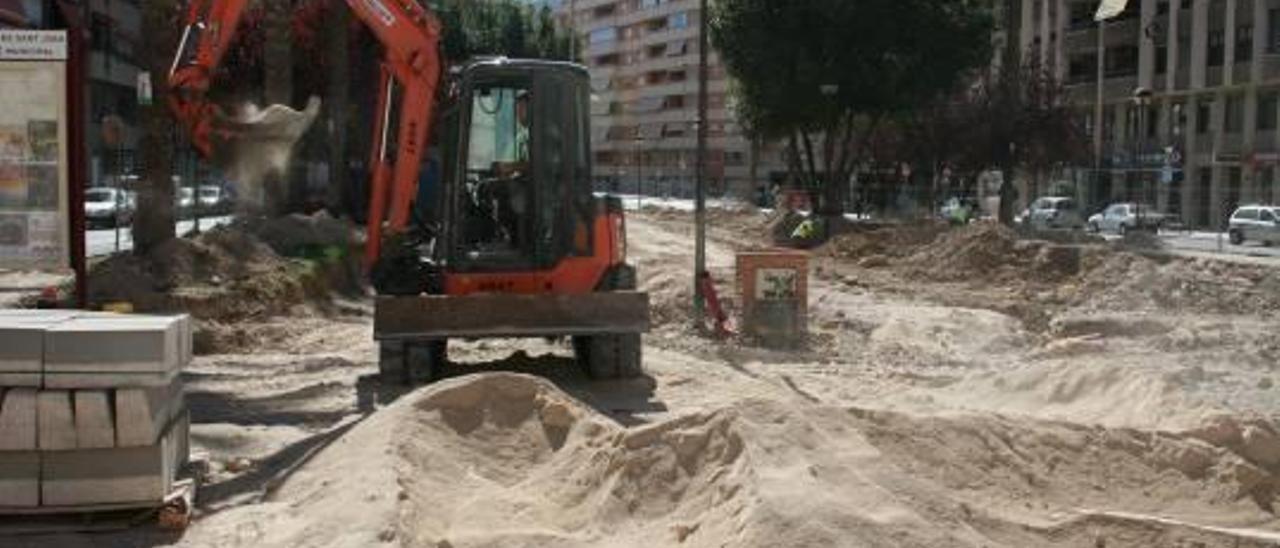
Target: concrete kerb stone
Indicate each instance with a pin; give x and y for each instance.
(55, 419)
(141, 475)
(94, 419)
(19, 479)
(18, 420)
(125, 351)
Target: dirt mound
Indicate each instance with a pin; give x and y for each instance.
(225, 273)
(860, 240)
(510, 460)
(307, 235)
(1125, 281)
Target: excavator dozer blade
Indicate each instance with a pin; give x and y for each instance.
(496, 315)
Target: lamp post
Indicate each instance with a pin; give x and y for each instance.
(639, 142)
(1141, 100)
(829, 92)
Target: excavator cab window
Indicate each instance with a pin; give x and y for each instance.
(498, 190)
(519, 197)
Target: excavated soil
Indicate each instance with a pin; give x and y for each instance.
(233, 277)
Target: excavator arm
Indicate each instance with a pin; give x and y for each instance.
(410, 37)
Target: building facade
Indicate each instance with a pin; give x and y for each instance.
(1205, 139)
(643, 59)
(115, 27)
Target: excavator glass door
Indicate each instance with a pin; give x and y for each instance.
(511, 173)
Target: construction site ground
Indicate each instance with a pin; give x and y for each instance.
(959, 387)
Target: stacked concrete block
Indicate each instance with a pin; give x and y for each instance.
(91, 408)
(101, 352)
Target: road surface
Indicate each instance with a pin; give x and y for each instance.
(103, 241)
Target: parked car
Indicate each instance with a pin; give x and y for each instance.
(1054, 212)
(1258, 223)
(108, 207)
(214, 200)
(184, 202)
(1127, 216)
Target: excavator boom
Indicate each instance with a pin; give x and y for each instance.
(410, 37)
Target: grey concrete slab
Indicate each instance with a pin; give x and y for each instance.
(70, 380)
(18, 420)
(55, 420)
(19, 479)
(106, 345)
(143, 413)
(22, 345)
(94, 419)
(113, 476)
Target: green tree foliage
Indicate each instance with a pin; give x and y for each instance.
(880, 57)
(500, 27)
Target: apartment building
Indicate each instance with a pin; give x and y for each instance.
(1206, 139)
(643, 60)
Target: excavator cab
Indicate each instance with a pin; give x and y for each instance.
(514, 243)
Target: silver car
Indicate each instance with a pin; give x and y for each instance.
(1053, 212)
(1257, 223)
(1123, 217)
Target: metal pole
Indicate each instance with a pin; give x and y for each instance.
(700, 186)
(1098, 126)
(120, 198)
(195, 187)
(639, 172)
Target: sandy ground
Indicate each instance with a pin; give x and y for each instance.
(927, 410)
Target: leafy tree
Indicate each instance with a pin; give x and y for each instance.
(154, 222)
(874, 59)
(1023, 118)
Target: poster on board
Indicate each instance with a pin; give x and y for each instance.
(33, 151)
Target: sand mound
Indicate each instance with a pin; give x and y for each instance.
(1063, 387)
(198, 275)
(1125, 281)
(859, 241)
(509, 460)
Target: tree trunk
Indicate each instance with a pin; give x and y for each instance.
(1007, 195)
(339, 91)
(284, 193)
(153, 223)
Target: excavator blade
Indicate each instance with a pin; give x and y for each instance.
(497, 315)
(257, 143)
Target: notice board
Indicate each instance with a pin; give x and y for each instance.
(34, 224)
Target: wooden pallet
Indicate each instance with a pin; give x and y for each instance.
(173, 513)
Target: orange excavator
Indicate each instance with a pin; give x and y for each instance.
(504, 239)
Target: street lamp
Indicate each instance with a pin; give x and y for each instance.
(639, 141)
(1141, 100)
(829, 91)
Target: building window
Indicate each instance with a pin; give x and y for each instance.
(1204, 109)
(1273, 30)
(1162, 7)
(1082, 68)
(1217, 48)
(1267, 110)
(1244, 43)
(604, 11)
(1122, 61)
(1233, 116)
(678, 20)
(1162, 58)
(1082, 15)
(602, 36)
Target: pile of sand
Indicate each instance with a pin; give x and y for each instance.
(223, 274)
(1130, 282)
(510, 460)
